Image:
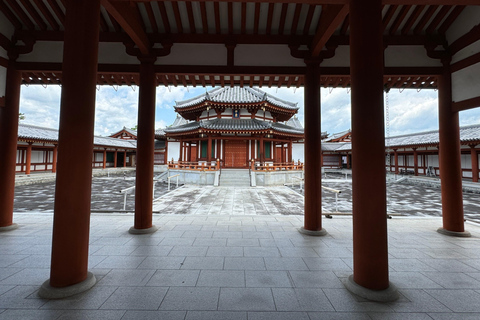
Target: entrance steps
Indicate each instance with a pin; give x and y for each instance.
(234, 178)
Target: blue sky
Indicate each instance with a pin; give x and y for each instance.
(410, 110)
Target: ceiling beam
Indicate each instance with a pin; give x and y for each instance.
(331, 18)
(129, 18)
(335, 2)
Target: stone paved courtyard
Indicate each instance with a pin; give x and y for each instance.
(236, 254)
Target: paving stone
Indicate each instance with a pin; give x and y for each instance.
(221, 278)
(191, 298)
(287, 299)
(244, 263)
(174, 278)
(267, 279)
(154, 315)
(246, 299)
(216, 315)
(203, 263)
(135, 298)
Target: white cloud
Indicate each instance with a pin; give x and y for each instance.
(410, 111)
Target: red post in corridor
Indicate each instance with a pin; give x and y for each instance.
(145, 149)
(415, 161)
(474, 156)
(54, 159)
(449, 159)
(28, 162)
(8, 146)
(313, 152)
(69, 274)
(370, 250)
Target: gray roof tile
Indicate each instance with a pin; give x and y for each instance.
(235, 125)
(237, 95)
(26, 131)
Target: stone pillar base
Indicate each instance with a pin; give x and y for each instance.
(387, 295)
(48, 292)
(464, 234)
(11, 227)
(318, 233)
(133, 230)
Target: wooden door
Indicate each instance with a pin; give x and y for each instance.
(193, 153)
(235, 154)
(278, 155)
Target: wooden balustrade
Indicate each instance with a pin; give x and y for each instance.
(194, 166)
(287, 166)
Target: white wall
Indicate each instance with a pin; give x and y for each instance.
(298, 152)
(173, 150)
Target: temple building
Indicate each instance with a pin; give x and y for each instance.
(236, 125)
(413, 153)
(159, 146)
(37, 150)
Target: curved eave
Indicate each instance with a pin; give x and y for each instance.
(236, 132)
(35, 140)
(202, 106)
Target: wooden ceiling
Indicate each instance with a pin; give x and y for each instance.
(309, 24)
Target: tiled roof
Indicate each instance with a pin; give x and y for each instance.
(235, 125)
(30, 132)
(336, 135)
(130, 131)
(294, 122)
(336, 146)
(467, 133)
(237, 95)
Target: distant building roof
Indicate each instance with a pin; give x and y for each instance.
(467, 134)
(28, 132)
(234, 125)
(336, 137)
(125, 132)
(428, 138)
(237, 95)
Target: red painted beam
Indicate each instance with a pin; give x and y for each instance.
(330, 20)
(129, 18)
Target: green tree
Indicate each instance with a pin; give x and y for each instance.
(21, 116)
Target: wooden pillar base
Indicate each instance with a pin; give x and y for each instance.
(318, 233)
(133, 230)
(48, 292)
(11, 227)
(386, 295)
(462, 234)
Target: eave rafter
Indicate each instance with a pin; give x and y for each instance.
(128, 16)
(334, 2)
(332, 16)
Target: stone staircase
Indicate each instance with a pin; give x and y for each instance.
(235, 178)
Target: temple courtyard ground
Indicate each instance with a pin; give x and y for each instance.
(235, 253)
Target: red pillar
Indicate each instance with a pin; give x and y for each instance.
(28, 162)
(8, 146)
(124, 158)
(145, 148)
(180, 157)
(449, 159)
(104, 165)
(115, 159)
(74, 171)
(415, 161)
(290, 147)
(209, 150)
(396, 160)
(54, 159)
(474, 156)
(313, 168)
(261, 156)
(370, 250)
